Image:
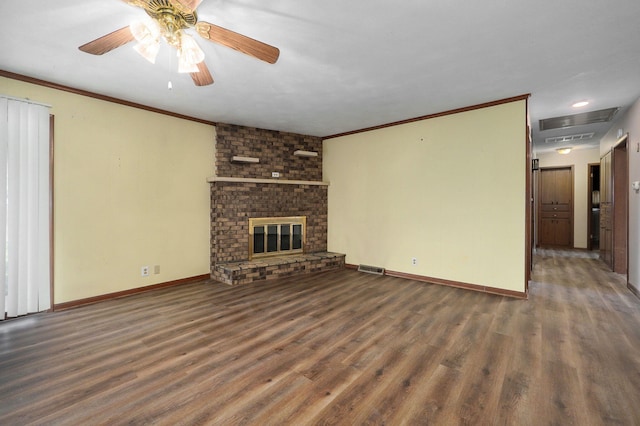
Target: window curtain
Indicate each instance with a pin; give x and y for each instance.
(24, 209)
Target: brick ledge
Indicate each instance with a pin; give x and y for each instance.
(234, 273)
(214, 179)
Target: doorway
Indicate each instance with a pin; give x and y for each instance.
(555, 207)
(620, 171)
(593, 212)
(614, 207)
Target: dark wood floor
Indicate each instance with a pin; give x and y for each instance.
(341, 347)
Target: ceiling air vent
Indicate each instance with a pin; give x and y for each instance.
(371, 269)
(600, 116)
(570, 138)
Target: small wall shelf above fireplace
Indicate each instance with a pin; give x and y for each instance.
(301, 153)
(240, 159)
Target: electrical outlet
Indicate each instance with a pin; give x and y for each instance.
(275, 174)
(156, 269)
(414, 261)
(144, 271)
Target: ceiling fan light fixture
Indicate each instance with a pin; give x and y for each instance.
(189, 55)
(144, 32)
(148, 37)
(168, 21)
(184, 66)
(149, 51)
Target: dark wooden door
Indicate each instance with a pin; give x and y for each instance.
(556, 207)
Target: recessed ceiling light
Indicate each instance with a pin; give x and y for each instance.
(580, 104)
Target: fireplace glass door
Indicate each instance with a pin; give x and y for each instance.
(276, 236)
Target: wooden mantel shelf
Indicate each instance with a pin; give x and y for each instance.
(274, 181)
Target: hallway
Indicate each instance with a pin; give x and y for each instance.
(590, 326)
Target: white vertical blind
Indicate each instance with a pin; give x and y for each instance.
(24, 208)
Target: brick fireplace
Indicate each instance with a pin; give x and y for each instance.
(246, 189)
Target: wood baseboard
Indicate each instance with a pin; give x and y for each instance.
(457, 284)
(634, 290)
(103, 297)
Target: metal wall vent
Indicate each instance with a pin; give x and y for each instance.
(570, 138)
(371, 269)
(600, 116)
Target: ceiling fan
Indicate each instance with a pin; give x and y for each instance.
(169, 19)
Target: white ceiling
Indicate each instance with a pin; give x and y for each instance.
(348, 65)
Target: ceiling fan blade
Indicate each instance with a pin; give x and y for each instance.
(203, 76)
(239, 42)
(188, 5)
(137, 3)
(108, 42)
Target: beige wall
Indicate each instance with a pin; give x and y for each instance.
(130, 190)
(449, 191)
(580, 160)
